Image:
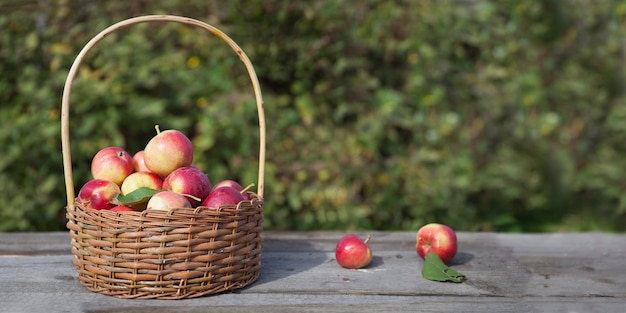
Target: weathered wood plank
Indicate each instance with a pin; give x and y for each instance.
(506, 273)
(24, 244)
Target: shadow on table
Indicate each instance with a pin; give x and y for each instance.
(461, 258)
(377, 261)
(284, 257)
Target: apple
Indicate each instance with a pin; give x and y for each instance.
(166, 200)
(139, 164)
(121, 208)
(437, 238)
(188, 181)
(97, 193)
(223, 196)
(167, 151)
(137, 180)
(113, 164)
(352, 252)
(228, 183)
(233, 184)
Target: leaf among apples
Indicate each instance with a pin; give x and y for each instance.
(134, 198)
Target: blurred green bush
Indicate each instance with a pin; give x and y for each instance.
(484, 115)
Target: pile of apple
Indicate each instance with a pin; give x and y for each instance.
(159, 177)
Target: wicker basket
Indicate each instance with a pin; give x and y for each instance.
(181, 253)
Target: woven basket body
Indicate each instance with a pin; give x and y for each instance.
(175, 254)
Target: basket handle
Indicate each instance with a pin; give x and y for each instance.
(65, 141)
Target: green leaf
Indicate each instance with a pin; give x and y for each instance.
(136, 197)
(434, 269)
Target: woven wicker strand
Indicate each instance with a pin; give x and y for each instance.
(181, 253)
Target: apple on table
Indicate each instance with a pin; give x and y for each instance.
(437, 238)
(352, 252)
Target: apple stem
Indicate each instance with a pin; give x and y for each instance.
(367, 239)
(157, 129)
(192, 197)
(246, 189)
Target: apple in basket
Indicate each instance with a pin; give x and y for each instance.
(113, 164)
(167, 151)
(188, 181)
(223, 196)
(139, 163)
(137, 180)
(233, 184)
(166, 200)
(121, 208)
(97, 193)
(228, 183)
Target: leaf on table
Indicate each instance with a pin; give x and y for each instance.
(434, 269)
(135, 197)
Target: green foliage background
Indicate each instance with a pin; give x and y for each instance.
(484, 115)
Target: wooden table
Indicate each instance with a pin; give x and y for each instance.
(577, 272)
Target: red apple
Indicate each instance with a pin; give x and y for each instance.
(233, 184)
(137, 180)
(166, 200)
(437, 238)
(223, 196)
(352, 252)
(228, 183)
(96, 194)
(113, 164)
(188, 181)
(121, 208)
(139, 163)
(167, 151)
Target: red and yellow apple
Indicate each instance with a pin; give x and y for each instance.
(167, 151)
(233, 184)
(352, 252)
(437, 238)
(223, 196)
(228, 183)
(166, 200)
(121, 208)
(113, 164)
(188, 181)
(139, 164)
(97, 193)
(137, 180)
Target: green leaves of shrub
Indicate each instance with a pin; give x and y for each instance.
(373, 122)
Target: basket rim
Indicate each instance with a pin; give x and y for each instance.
(242, 208)
(65, 106)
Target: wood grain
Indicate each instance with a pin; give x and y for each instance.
(577, 272)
